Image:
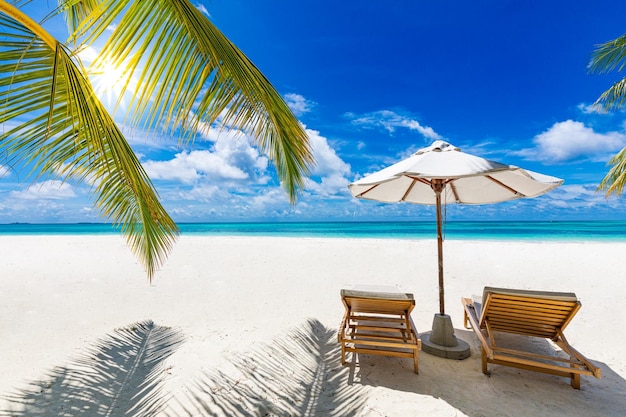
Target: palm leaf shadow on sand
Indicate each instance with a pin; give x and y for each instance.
(508, 392)
(299, 374)
(121, 375)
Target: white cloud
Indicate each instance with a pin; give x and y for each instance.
(329, 166)
(188, 167)
(202, 192)
(241, 153)
(298, 104)
(203, 9)
(569, 140)
(327, 161)
(581, 197)
(87, 55)
(215, 133)
(270, 198)
(4, 171)
(234, 160)
(329, 186)
(64, 170)
(571, 194)
(390, 121)
(592, 108)
(177, 169)
(46, 190)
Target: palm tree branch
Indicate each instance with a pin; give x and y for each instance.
(609, 56)
(614, 97)
(191, 76)
(68, 132)
(25, 21)
(615, 179)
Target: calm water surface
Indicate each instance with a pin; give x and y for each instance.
(562, 231)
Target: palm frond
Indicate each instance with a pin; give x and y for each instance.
(615, 179)
(190, 76)
(614, 97)
(61, 129)
(609, 56)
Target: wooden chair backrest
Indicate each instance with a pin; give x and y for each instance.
(378, 303)
(531, 313)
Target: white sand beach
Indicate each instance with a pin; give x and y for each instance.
(247, 327)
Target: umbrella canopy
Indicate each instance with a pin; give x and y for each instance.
(442, 174)
(466, 179)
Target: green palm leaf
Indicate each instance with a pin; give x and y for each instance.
(55, 124)
(615, 179)
(607, 57)
(190, 76)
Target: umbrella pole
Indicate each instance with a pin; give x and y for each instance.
(441, 341)
(438, 186)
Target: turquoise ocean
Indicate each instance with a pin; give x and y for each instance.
(459, 230)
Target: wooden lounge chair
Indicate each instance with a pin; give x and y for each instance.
(378, 323)
(527, 313)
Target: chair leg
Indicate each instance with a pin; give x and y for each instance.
(343, 353)
(415, 365)
(484, 361)
(575, 378)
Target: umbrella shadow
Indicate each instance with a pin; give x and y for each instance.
(120, 375)
(298, 374)
(506, 392)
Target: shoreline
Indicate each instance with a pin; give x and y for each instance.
(232, 298)
(563, 231)
(432, 239)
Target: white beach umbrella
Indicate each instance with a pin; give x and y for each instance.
(442, 174)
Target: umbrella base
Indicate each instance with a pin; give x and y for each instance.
(442, 342)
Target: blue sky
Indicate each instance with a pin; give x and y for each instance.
(374, 81)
